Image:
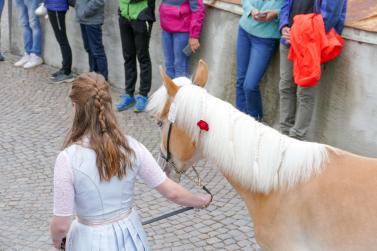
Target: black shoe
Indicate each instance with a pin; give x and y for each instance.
(1, 57)
(62, 78)
(59, 72)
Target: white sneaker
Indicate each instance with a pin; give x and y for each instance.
(34, 60)
(22, 61)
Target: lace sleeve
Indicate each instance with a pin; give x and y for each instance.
(64, 193)
(149, 171)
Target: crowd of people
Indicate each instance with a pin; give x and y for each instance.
(95, 173)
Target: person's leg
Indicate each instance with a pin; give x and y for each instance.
(304, 113)
(85, 40)
(24, 19)
(1, 7)
(180, 58)
(1, 11)
(129, 54)
(57, 20)
(287, 92)
(35, 26)
(97, 49)
(167, 47)
(262, 50)
(142, 32)
(243, 57)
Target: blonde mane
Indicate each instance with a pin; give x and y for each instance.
(258, 156)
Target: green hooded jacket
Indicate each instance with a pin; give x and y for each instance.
(137, 9)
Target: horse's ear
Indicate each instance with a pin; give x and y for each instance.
(170, 86)
(201, 76)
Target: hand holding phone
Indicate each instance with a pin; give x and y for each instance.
(261, 14)
(187, 50)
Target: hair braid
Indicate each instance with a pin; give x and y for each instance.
(95, 119)
(100, 106)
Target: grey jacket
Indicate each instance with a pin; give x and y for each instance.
(90, 12)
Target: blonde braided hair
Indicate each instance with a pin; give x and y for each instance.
(94, 118)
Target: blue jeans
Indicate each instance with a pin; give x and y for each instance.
(32, 32)
(176, 62)
(253, 57)
(1, 6)
(92, 37)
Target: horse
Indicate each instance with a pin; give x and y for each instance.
(302, 196)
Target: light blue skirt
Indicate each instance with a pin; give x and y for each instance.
(126, 234)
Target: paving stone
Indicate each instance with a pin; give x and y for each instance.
(35, 117)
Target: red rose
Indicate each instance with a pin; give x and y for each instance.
(203, 125)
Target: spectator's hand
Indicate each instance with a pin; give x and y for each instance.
(194, 44)
(254, 14)
(270, 15)
(286, 34)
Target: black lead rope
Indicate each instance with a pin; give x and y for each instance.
(179, 211)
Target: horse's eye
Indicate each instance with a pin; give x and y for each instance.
(159, 123)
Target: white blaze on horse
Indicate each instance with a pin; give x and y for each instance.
(301, 195)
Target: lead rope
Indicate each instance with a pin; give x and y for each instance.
(182, 210)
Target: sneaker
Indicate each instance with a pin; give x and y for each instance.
(141, 103)
(34, 61)
(53, 75)
(62, 78)
(22, 60)
(1, 57)
(126, 102)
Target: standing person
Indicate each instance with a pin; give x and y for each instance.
(1, 11)
(91, 16)
(297, 103)
(258, 38)
(136, 18)
(181, 22)
(96, 172)
(32, 34)
(56, 10)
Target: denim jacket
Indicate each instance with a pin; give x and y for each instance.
(332, 11)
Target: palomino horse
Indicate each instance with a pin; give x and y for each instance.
(301, 195)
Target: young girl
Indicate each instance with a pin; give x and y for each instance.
(96, 172)
(257, 41)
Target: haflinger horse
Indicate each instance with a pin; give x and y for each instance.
(301, 195)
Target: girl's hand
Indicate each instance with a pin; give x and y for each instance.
(194, 44)
(207, 199)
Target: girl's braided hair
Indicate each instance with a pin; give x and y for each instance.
(95, 119)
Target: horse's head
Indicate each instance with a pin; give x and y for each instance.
(178, 149)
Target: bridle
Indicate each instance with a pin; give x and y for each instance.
(169, 162)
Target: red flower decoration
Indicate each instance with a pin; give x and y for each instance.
(203, 125)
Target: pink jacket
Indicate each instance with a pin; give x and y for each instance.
(182, 16)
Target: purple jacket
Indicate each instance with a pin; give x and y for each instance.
(332, 11)
(56, 5)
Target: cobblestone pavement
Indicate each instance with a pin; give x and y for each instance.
(34, 119)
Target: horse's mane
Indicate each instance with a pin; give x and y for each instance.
(258, 156)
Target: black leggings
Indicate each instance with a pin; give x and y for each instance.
(57, 19)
